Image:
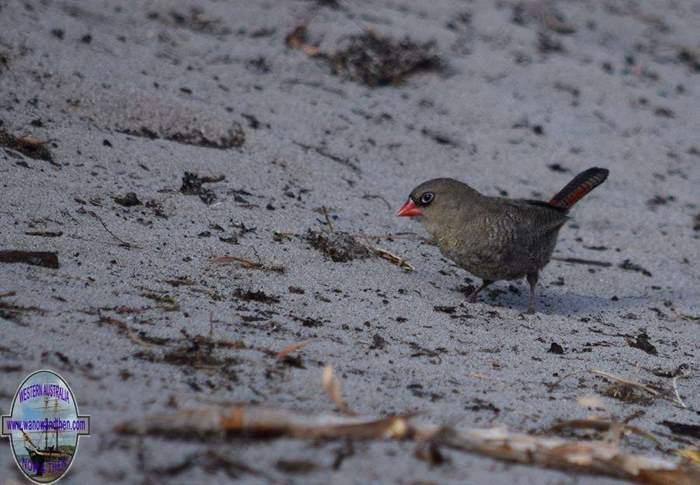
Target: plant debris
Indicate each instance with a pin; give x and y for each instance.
(284, 353)
(332, 387)
(125, 330)
(199, 352)
(233, 138)
(642, 342)
(630, 266)
(193, 184)
(249, 264)
(341, 247)
(555, 348)
(166, 302)
(692, 430)
(298, 39)
(250, 422)
(393, 258)
(44, 233)
(259, 296)
(589, 262)
(211, 461)
(35, 258)
(27, 146)
(130, 199)
(445, 309)
(13, 312)
(374, 60)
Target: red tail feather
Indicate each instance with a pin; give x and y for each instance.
(579, 187)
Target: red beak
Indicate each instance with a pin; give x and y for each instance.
(409, 209)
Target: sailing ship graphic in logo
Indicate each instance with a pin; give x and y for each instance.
(44, 426)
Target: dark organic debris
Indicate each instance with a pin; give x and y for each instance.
(692, 430)
(696, 222)
(547, 44)
(690, 57)
(555, 348)
(339, 246)
(193, 184)
(681, 370)
(589, 262)
(211, 461)
(628, 393)
(139, 338)
(372, 59)
(308, 322)
(26, 145)
(197, 21)
(557, 167)
(660, 200)
(439, 138)
(478, 404)
(130, 199)
(199, 352)
(165, 302)
(642, 342)
(630, 266)
(233, 138)
(379, 61)
(295, 466)
(431, 454)
(445, 309)
(259, 296)
(44, 233)
(378, 342)
(92, 214)
(36, 258)
(12, 312)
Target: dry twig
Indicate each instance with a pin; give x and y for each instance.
(248, 264)
(331, 384)
(638, 385)
(596, 457)
(292, 348)
(393, 258)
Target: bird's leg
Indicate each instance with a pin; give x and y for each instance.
(473, 294)
(532, 279)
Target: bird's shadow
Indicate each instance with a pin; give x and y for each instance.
(555, 301)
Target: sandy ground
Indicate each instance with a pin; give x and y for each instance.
(129, 94)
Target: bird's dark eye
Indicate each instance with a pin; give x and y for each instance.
(426, 198)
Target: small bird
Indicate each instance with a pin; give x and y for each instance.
(496, 238)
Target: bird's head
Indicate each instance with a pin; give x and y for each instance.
(437, 200)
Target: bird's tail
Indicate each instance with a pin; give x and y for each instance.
(579, 187)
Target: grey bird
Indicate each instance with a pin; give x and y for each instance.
(496, 238)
